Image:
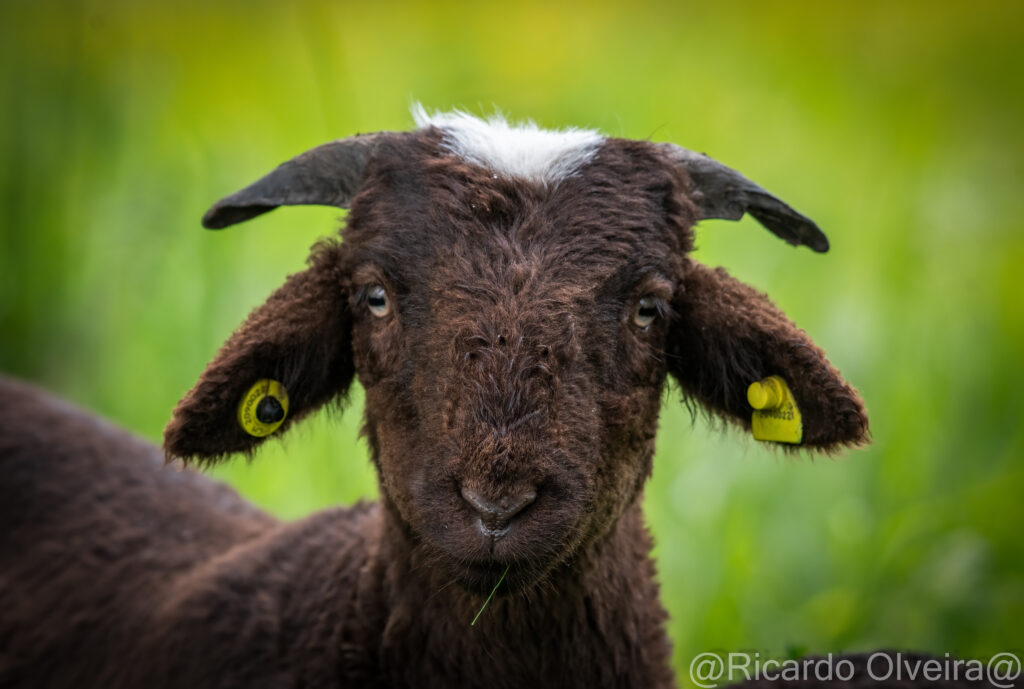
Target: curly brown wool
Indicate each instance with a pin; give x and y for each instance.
(512, 398)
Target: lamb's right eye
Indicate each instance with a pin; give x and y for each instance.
(377, 301)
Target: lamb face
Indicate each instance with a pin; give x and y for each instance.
(510, 333)
(512, 301)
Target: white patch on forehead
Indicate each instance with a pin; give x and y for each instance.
(521, 150)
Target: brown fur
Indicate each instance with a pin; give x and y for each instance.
(509, 362)
(116, 571)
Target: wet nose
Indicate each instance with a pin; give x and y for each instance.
(496, 515)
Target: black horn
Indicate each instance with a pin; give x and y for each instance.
(328, 175)
(721, 192)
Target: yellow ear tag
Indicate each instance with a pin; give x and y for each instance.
(263, 408)
(776, 416)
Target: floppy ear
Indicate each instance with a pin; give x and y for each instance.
(727, 335)
(300, 338)
(293, 354)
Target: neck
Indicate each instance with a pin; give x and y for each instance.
(594, 622)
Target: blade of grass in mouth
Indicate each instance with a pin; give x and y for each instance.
(493, 591)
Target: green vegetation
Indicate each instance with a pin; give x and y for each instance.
(896, 126)
(489, 597)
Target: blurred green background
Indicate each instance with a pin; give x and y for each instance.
(897, 127)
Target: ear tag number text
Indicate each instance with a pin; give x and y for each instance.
(776, 416)
(263, 408)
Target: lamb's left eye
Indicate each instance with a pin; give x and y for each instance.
(645, 311)
(377, 301)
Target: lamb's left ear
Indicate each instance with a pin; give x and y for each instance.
(726, 335)
(299, 339)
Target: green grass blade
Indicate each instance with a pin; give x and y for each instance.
(493, 591)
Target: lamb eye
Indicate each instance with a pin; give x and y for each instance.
(647, 309)
(377, 301)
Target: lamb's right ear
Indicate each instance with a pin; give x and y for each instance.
(300, 338)
(294, 352)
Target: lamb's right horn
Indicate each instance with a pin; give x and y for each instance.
(328, 175)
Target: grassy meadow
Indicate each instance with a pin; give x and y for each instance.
(897, 126)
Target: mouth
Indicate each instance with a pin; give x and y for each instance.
(476, 551)
(515, 560)
(480, 561)
(482, 577)
(497, 578)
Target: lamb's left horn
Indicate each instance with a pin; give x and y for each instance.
(721, 192)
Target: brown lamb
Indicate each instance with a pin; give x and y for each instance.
(513, 302)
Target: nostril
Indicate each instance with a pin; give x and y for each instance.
(495, 515)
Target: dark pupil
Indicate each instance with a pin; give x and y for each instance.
(269, 410)
(377, 300)
(648, 311)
